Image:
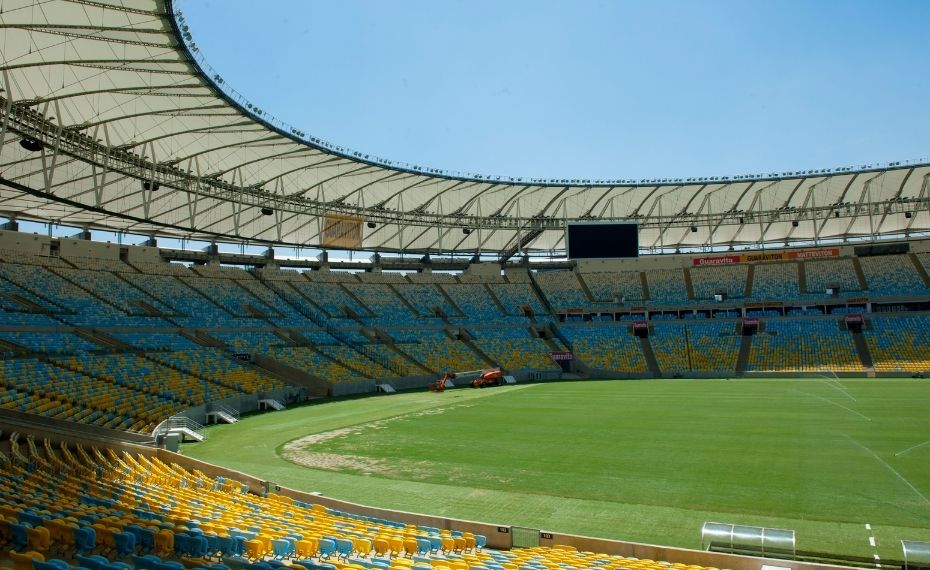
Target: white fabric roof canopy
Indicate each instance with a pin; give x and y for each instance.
(116, 98)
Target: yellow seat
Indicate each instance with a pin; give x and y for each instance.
(39, 538)
(382, 547)
(23, 561)
(363, 546)
(164, 543)
(410, 546)
(307, 547)
(254, 549)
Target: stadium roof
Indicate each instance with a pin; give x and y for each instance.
(109, 120)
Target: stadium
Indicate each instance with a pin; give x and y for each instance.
(470, 372)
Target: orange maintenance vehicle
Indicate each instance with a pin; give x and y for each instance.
(488, 378)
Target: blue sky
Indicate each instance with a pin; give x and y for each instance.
(586, 89)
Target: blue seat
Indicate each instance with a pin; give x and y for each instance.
(327, 547)
(125, 543)
(197, 546)
(344, 547)
(85, 539)
(424, 546)
(281, 548)
(18, 536)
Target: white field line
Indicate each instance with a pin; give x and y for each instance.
(911, 448)
(866, 418)
(835, 384)
(890, 468)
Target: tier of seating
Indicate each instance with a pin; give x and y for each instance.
(356, 360)
(314, 362)
(116, 291)
(892, 275)
(608, 347)
(899, 343)
(823, 274)
(727, 279)
(671, 347)
(53, 390)
(667, 287)
(340, 320)
(425, 298)
(192, 308)
(250, 341)
(624, 286)
(515, 348)
(155, 340)
(49, 342)
(230, 295)
(216, 366)
(563, 289)
(149, 377)
(383, 302)
(440, 353)
(775, 281)
(81, 307)
(514, 296)
(107, 509)
(795, 345)
(473, 300)
(331, 297)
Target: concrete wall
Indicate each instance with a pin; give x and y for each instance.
(83, 248)
(33, 244)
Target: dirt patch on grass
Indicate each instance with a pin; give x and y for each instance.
(300, 451)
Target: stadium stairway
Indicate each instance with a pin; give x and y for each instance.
(584, 287)
(404, 300)
(747, 293)
(103, 339)
(314, 385)
(84, 287)
(650, 355)
(33, 307)
(468, 339)
(202, 338)
(863, 284)
(539, 293)
(802, 278)
(493, 297)
(862, 350)
(742, 360)
(406, 355)
(689, 285)
(452, 303)
(146, 309)
(920, 269)
(645, 284)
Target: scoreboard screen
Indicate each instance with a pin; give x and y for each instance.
(602, 240)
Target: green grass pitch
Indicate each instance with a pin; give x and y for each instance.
(645, 461)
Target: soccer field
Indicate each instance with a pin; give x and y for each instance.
(645, 461)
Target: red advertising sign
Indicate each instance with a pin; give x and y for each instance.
(755, 257)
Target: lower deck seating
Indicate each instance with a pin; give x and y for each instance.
(795, 345)
(899, 344)
(514, 348)
(315, 363)
(95, 504)
(608, 347)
